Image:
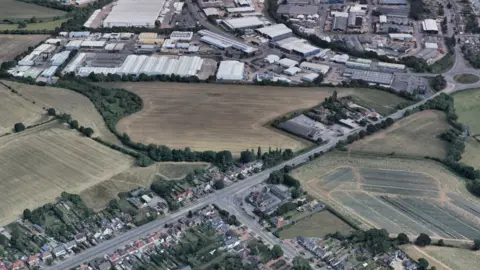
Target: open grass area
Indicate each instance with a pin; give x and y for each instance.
(98, 196)
(15, 109)
(471, 156)
(13, 45)
(444, 64)
(416, 135)
(466, 78)
(66, 101)
(317, 225)
(445, 258)
(40, 163)
(50, 25)
(467, 106)
(221, 117)
(398, 194)
(16, 10)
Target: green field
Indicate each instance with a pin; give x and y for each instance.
(466, 78)
(15, 10)
(176, 170)
(51, 25)
(467, 106)
(318, 225)
(381, 101)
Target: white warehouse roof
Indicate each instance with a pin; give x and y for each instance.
(181, 35)
(240, 9)
(431, 45)
(49, 72)
(230, 70)
(60, 58)
(400, 36)
(315, 67)
(429, 25)
(142, 13)
(292, 71)
(309, 77)
(275, 30)
(225, 40)
(272, 58)
(286, 62)
(244, 22)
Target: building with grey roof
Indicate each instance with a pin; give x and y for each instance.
(340, 23)
(372, 77)
(302, 126)
(394, 28)
(299, 2)
(293, 10)
(355, 20)
(394, 12)
(393, 2)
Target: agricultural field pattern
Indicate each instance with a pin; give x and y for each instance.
(400, 201)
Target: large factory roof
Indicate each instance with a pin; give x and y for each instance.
(134, 13)
(214, 37)
(369, 76)
(49, 72)
(393, 2)
(275, 30)
(230, 70)
(72, 66)
(244, 22)
(297, 10)
(181, 35)
(60, 58)
(429, 25)
(297, 45)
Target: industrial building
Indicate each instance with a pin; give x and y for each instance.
(355, 19)
(92, 18)
(293, 10)
(74, 45)
(272, 58)
(275, 32)
(83, 34)
(222, 42)
(241, 9)
(291, 71)
(243, 23)
(340, 58)
(73, 65)
(181, 35)
(303, 126)
(319, 68)
(393, 2)
(231, 70)
(287, 63)
(31, 58)
(391, 27)
(400, 37)
(340, 23)
(296, 45)
(430, 26)
(60, 58)
(373, 77)
(353, 64)
(139, 13)
(49, 72)
(93, 44)
(385, 65)
(211, 12)
(309, 77)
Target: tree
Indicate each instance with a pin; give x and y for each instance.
(423, 264)
(19, 127)
(74, 124)
(277, 252)
(190, 214)
(88, 132)
(27, 214)
(476, 244)
(441, 243)
(22, 24)
(247, 156)
(51, 112)
(438, 83)
(402, 239)
(300, 263)
(259, 153)
(423, 240)
(219, 184)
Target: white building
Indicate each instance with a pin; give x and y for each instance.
(275, 32)
(140, 13)
(429, 25)
(60, 58)
(74, 45)
(243, 23)
(292, 71)
(231, 70)
(181, 35)
(272, 58)
(309, 77)
(319, 68)
(287, 63)
(220, 41)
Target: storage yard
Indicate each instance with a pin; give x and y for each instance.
(422, 198)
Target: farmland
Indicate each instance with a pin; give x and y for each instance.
(15, 109)
(445, 257)
(400, 195)
(216, 117)
(408, 137)
(13, 45)
(318, 225)
(40, 163)
(16, 10)
(467, 106)
(98, 196)
(66, 101)
(49, 25)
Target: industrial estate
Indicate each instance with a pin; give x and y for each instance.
(239, 134)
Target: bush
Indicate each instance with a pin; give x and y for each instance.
(423, 240)
(19, 127)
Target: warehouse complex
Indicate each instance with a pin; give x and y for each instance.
(140, 13)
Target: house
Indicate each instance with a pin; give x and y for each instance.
(18, 265)
(70, 245)
(139, 244)
(46, 255)
(80, 238)
(114, 257)
(33, 260)
(279, 221)
(59, 251)
(231, 242)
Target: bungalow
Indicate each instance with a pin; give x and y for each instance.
(46, 255)
(231, 242)
(80, 238)
(139, 245)
(33, 260)
(70, 245)
(114, 257)
(18, 265)
(150, 241)
(279, 221)
(59, 251)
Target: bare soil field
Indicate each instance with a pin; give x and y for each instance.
(15, 109)
(39, 163)
(225, 117)
(318, 225)
(98, 196)
(400, 195)
(415, 135)
(12, 10)
(66, 101)
(445, 257)
(13, 45)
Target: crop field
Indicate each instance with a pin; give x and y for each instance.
(445, 258)
(16, 10)
(221, 117)
(49, 25)
(400, 195)
(13, 45)
(39, 163)
(15, 109)
(408, 137)
(97, 197)
(66, 101)
(317, 225)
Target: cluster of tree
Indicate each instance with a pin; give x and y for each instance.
(141, 78)
(166, 189)
(418, 10)
(371, 129)
(471, 53)
(263, 252)
(438, 83)
(300, 263)
(248, 156)
(225, 215)
(470, 19)
(283, 177)
(274, 157)
(374, 240)
(450, 42)
(285, 208)
(19, 127)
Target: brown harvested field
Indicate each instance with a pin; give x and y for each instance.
(225, 117)
(98, 196)
(416, 135)
(39, 163)
(445, 258)
(15, 109)
(398, 194)
(13, 45)
(66, 101)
